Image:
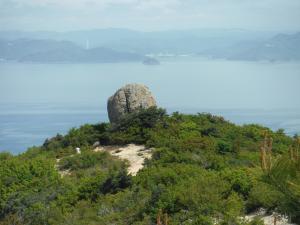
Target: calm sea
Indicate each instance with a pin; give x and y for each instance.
(39, 100)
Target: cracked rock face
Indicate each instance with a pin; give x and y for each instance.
(127, 99)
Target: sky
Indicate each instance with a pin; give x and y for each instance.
(149, 15)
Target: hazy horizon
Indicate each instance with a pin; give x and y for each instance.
(155, 30)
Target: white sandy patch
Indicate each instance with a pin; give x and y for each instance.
(134, 154)
(62, 172)
(268, 219)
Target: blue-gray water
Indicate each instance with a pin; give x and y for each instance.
(39, 100)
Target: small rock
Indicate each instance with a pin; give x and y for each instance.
(96, 144)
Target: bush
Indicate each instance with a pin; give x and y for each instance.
(204, 170)
(85, 160)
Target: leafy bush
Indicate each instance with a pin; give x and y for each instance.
(85, 160)
(204, 170)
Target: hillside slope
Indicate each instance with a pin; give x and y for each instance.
(204, 170)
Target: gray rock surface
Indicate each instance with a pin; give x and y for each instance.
(96, 144)
(127, 99)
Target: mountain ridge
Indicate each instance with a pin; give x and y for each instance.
(48, 51)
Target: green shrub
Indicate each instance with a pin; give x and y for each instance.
(204, 170)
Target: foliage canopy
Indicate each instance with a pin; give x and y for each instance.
(204, 170)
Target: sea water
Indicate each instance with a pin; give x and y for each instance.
(38, 101)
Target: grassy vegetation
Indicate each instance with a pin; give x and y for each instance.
(204, 170)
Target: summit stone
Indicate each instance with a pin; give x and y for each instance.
(128, 99)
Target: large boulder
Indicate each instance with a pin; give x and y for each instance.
(127, 99)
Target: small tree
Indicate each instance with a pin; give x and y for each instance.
(266, 152)
(162, 219)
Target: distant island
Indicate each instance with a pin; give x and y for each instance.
(151, 61)
(121, 45)
(51, 51)
(282, 47)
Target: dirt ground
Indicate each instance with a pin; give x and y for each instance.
(134, 154)
(269, 219)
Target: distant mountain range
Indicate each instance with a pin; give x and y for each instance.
(51, 51)
(118, 45)
(281, 47)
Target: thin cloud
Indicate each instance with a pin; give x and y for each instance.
(150, 14)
